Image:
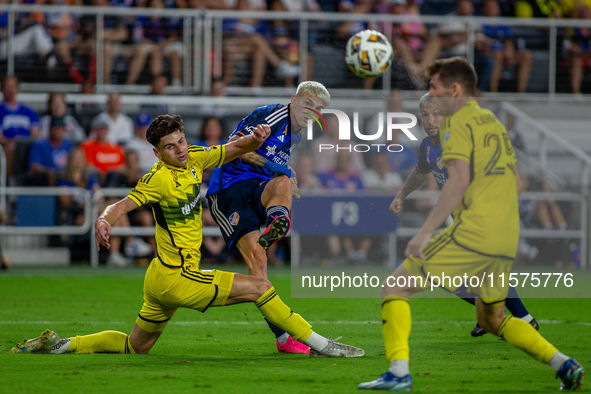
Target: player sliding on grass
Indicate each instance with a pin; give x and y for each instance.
(174, 279)
(430, 162)
(257, 189)
(481, 191)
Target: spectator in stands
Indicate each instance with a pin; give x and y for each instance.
(57, 108)
(211, 132)
(101, 154)
(120, 125)
(213, 248)
(158, 41)
(412, 41)
(504, 50)
(17, 120)
(454, 43)
(70, 209)
(62, 27)
(380, 177)
(348, 28)
(245, 40)
(158, 84)
(539, 8)
(49, 156)
(32, 40)
(140, 144)
(344, 179)
(307, 180)
(578, 44)
(128, 178)
(326, 160)
(115, 33)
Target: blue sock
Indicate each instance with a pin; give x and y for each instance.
(276, 330)
(274, 211)
(514, 304)
(462, 292)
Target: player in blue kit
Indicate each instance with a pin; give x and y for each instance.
(430, 162)
(257, 188)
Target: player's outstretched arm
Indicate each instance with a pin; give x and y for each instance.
(415, 180)
(452, 193)
(238, 147)
(110, 216)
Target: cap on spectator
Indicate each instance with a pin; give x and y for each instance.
(57, 121)
(99, 123)
(143, 119)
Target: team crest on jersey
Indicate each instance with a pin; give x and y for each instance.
(194, 173)
(439, 163)
(446, 136)
(234, 218)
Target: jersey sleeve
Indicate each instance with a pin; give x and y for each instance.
(263, 115)
(423, 164)
(456, 142)
(206, 157)
(148, 189)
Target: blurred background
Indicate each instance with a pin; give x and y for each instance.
(82, 80)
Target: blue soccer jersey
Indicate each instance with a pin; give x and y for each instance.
(430, 161)
(276, 148)
(17, 121)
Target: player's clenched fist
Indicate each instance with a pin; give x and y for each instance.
(261, 132)
(396, 206)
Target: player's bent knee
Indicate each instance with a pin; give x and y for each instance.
(282, 185)
(263, 286)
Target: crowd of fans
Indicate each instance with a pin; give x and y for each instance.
(65, 41)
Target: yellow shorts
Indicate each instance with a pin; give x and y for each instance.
(167, 289)
(445, 259)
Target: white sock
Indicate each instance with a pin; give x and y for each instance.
(527, 318)
(62, 346)
(316, 342)
(399, 368)
(283, 338)
(557, 361)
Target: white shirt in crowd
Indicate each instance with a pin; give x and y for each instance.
(121, 130)
(145, 152)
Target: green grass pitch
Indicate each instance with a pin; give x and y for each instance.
(230, 350)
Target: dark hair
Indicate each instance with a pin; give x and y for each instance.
(7, 77)
(455, 70)
(162, 126)
(201, 134)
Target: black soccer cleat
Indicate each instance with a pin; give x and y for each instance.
(276, 230)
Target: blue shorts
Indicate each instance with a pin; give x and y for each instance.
(238, 210)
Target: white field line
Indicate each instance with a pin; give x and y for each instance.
(247, 323)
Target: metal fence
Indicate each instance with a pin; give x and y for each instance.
(202, 37)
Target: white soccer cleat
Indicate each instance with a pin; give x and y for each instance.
(335, 349)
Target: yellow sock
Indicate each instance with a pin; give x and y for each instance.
(279, 314)
(523, 336)
(102, 342)
(396, 327)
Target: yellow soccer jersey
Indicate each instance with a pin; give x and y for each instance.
(487, 219)
(176, 202)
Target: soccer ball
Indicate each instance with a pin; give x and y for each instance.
(368, 54)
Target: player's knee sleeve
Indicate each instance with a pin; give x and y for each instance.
(279, 314)
(523, 336)
(102, 342)
(396, 327)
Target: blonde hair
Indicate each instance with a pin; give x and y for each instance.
(315, 88)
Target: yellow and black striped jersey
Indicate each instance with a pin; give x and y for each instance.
(176, 203)
(487, 219)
